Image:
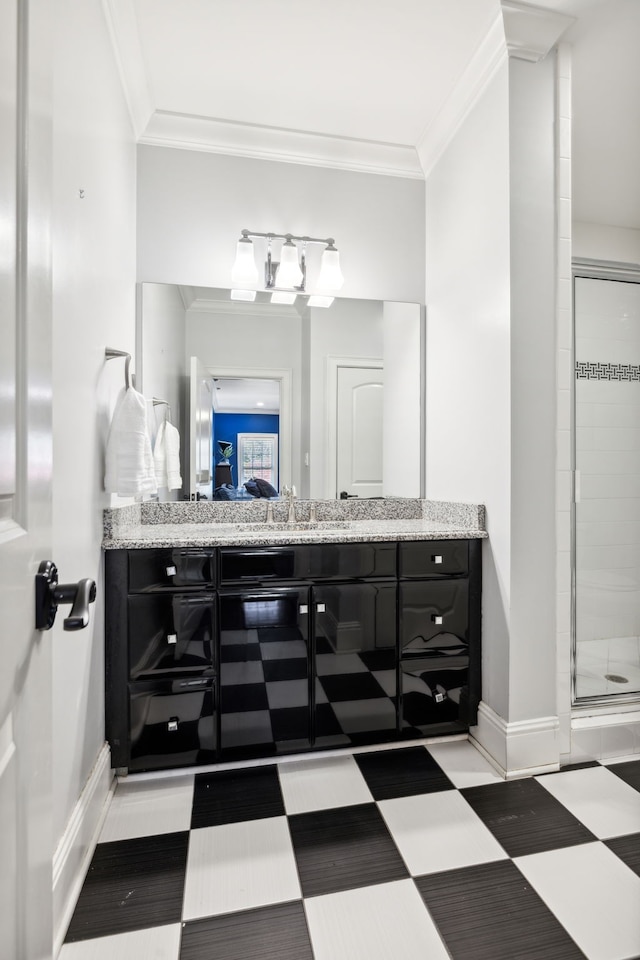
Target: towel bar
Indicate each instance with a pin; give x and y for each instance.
(111, 354)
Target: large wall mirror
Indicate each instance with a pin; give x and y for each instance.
(329, 400)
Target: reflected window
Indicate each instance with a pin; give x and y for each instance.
(258, 457)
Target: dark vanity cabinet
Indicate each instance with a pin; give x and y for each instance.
(234, 652)
(161, 664)
(439, 584)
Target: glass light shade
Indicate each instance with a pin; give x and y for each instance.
(330, 277)
(317, 301)
(282, 296)
(244, 272)
(289, 273)
(248, 295)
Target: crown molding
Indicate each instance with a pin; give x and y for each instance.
(531, 32)
(482, 67)
(194, 303)
(125, 41)
(167, 129)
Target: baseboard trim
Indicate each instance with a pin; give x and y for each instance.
(77, 844)
(523, 748)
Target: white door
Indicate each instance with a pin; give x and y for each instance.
(359, 431)
(26, 844)
(201, 431)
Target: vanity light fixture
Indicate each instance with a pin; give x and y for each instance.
(286, 277)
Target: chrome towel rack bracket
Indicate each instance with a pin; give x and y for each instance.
(111, 354)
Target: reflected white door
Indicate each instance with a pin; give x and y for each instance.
(359, 431)
(201, 431)
(26, 844)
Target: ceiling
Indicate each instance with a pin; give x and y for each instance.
(364, 84)
(242, 395)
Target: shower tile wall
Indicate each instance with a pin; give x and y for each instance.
(607, 420)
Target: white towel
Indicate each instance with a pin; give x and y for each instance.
(166, 456)
(129, 463)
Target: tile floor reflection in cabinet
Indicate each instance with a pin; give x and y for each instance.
(403, 853)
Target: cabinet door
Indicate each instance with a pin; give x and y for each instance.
(434, 617)
(264, 672)
(355, 663)
(433, 695)
(170, 634)
(172, 723)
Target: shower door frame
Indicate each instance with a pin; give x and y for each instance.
(584, 268)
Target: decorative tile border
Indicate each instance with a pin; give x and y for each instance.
(607, 371)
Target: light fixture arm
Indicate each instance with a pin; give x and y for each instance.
(250, 234)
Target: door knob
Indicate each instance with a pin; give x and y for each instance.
(49, 593)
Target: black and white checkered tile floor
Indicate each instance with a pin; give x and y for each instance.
(408, 853)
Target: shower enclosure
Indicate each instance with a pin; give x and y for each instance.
(606, 521)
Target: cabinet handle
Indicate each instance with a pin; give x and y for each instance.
(172, 638)
(172, 726)
(171, 571)
(320, 607)
(435, 618)
(304, 608)
(436, 559)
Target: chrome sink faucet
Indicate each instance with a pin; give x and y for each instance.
(269, 517)
(290, 494)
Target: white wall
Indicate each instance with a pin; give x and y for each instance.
(93, 307)
(192, 207)
(491, 361)
(532, 654)
(402, 421)
(599, 241)
(468, 443)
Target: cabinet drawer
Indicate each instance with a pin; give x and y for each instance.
(353, 561)
(434, 695)
(317, 561)
(434, 616)
(239, 564)
(172, 723)
(171, 633)
(433, 558)
(169, 569)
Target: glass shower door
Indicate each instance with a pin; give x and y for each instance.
(607, 508)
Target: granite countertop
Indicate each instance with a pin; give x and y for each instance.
(210, 524)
